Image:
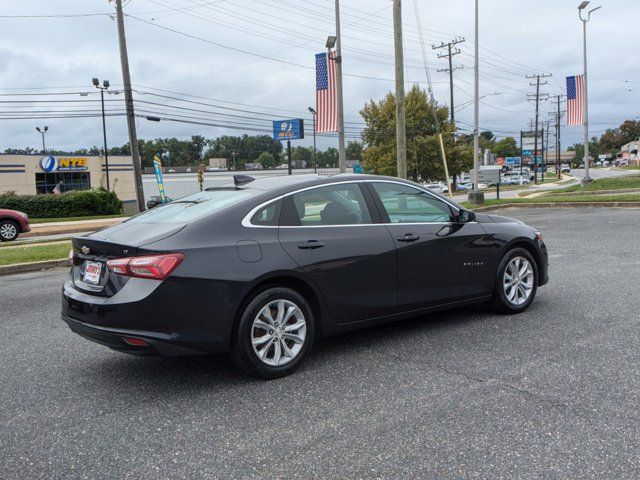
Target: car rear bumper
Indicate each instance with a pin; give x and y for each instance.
(174, 318)
(158, 343)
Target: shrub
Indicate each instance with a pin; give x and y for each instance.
(76, 203)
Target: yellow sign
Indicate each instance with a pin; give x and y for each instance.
(72, 163)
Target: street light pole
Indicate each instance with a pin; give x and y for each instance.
(315, 161)
(42, 132)
(102, 88)
(581, 8)
(340, 102)
(476, 196)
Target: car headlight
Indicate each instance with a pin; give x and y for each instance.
(23, 215)
(538, 235)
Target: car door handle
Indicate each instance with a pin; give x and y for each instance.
(409, 237)
(310, 245)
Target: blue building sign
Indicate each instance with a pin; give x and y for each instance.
(512, 161)
(292, 129)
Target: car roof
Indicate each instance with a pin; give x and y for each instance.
(270, 187)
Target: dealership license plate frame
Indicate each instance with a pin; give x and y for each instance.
(92, 272)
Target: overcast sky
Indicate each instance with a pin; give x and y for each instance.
(225, 66)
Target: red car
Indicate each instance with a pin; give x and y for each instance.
(12, 223)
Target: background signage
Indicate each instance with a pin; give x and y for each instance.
(157, 168)
(63, 164)
(292, 129)
(512, 161)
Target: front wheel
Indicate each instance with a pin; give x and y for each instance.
(8, 230)
(274, 334)
(516, 282)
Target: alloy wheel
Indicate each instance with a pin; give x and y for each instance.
(278, 332)
(518, 281)
(8, 231)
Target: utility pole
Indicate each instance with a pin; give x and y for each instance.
(131, 119)
(449, 55)
(536, 130)
(558, 116)
(476, 196)
(338, 60)
(401, 136)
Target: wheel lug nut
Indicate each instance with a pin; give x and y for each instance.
(270, 332)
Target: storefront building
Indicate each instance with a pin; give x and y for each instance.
(38, 174)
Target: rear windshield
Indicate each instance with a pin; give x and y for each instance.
(194, 206)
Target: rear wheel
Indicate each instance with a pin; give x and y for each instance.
(516, 282)
(274, 334)
(8, 230)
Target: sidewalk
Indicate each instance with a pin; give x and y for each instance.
(56, 228)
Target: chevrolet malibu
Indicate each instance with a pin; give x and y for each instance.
(262, 267)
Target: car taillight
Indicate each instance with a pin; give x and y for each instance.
(157, 267)
(71, 256)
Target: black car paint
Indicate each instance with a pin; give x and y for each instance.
(351, 282)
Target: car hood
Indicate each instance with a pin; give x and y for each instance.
(488, 218)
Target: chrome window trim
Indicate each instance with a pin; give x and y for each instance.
(246, 221)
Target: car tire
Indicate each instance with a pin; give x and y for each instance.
(274, 333)
(516, 282)
(9, 230)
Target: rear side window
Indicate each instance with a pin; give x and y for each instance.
(341, 204)
(267, 216)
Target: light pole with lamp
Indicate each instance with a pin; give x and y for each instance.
(102, 88)
(584, 20)
(42, 132)
(315, 161)
(336, 41)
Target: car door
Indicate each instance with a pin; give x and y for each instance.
(440, 259)
(329, 231)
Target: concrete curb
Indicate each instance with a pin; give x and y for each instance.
(32, 266)
(559, 205)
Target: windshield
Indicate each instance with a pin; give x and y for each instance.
(193, 207)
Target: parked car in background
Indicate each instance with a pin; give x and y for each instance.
(156, 200)
(438, 187)
(565, 169)
(520, 180)
(12, 224)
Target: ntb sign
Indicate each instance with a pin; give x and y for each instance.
(292, 129)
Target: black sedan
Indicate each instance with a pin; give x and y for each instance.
(260, 268)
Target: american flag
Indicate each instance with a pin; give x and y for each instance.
(326, 98)
(57, 190)
(575, 100)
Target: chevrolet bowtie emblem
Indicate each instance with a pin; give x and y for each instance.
(85, 250)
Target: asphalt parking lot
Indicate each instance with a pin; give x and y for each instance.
(552, 393)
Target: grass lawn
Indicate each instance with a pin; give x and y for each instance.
(73, 219)
(36, 253)
(616, 183)
(627, 197)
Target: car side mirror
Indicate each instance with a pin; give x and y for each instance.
(466, 216)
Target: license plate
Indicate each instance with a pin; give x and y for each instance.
(92, 273)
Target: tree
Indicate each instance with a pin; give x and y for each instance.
(424, 160)
(506, 147)
(354, 150)
(304, 154)
(267, 160)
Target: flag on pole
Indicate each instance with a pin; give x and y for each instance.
(326, 98)
(575, 100)
(57, 190)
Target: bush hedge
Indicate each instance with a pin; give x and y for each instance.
(76, 203)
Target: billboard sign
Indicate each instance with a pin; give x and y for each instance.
(511, 161)
(291, 129)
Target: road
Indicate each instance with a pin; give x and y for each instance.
(598, 173)
(552, 393)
